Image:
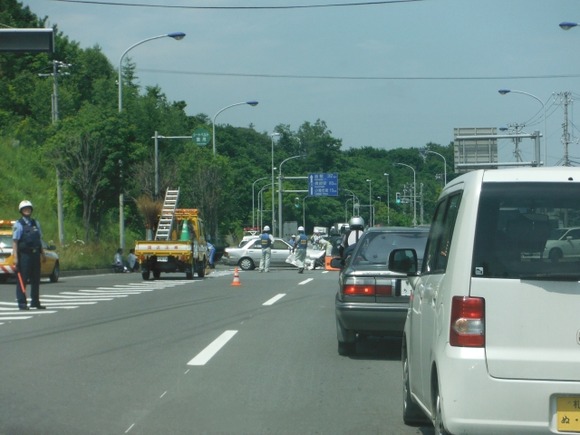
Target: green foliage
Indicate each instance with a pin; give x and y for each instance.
(101, 153)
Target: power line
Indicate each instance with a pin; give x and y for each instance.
(329, 5)
(327, 77)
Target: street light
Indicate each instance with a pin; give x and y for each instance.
(175, 35)
(370, 201)
(507, 91)
(388, 200)
(261, 204)
(566, 25)
(253, 208)
(414, 191)
(280, 193)
(251, 103)
(355, 201)
(444, 164)
(273, 216)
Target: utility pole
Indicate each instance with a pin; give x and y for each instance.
(56, 71)
(565, 96)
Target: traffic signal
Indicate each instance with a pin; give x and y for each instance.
(297, 202)
(398, 198)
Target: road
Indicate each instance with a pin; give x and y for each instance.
(113, 354)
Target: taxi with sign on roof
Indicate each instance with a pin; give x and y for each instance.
(49, 268)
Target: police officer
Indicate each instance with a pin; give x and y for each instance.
(266, 241)
(300, 248)
(27, 252)
(356, 228)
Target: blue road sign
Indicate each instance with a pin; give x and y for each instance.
(323, 184)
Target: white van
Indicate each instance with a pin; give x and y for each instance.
(492, 337)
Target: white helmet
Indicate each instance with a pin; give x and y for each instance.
(23, 204)
(266, 228)
(300, 228)
(356, 223)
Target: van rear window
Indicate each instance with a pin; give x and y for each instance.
(528, 231)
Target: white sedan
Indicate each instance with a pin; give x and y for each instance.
(248, 256)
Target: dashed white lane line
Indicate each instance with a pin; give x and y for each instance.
(274, 299)
(306, 281)
(214, 347)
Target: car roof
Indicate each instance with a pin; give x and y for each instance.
(421, 229)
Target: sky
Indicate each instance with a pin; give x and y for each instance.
(379, 74)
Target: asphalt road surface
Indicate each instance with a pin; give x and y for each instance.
(113, 354)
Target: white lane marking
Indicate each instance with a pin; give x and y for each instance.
(17, 318)
(306, 281)
(205, 355)
(274, 299)
(78, 296)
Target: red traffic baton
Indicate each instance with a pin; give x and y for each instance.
(21, 281)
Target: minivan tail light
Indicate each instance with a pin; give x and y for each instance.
(467, 328)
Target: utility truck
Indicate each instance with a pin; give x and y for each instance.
(179, 244)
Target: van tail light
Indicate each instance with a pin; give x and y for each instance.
(467, 328)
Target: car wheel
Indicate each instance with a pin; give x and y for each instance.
(346, 340)
(438, 416)
(55, 273)
(412, 414)
(201, 269)
(246, 263)
(346, 349)
(556, 254)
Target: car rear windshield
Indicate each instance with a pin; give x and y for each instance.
(528, 231)
(375, 247)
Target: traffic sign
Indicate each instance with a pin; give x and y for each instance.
(323, 184)
(201, 136)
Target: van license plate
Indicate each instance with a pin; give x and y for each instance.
(162, 259)
(568, 414)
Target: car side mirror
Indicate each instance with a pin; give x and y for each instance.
(336, 263)
(403, 261)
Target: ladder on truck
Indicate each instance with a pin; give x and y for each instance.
(165, 224)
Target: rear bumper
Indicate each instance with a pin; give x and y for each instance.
(498, 406)
(7, 270)
(377, 318)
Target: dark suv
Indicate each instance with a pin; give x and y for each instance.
(371, 300)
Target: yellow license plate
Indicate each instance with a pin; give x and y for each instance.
(568, 414)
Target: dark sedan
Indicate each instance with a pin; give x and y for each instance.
(371, 300)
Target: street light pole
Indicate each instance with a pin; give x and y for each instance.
(250, 103)
(175, 35)
(280, 222)
(370, 201)
(388, 200)
(355, 200)
(444, 165)
(253, 208)
(514, 91)
(273, 215)
(414, 192)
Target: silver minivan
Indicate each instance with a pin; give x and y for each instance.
(492, 337)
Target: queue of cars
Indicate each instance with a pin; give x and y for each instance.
(486, 304)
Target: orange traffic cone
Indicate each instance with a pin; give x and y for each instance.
(236, 282)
